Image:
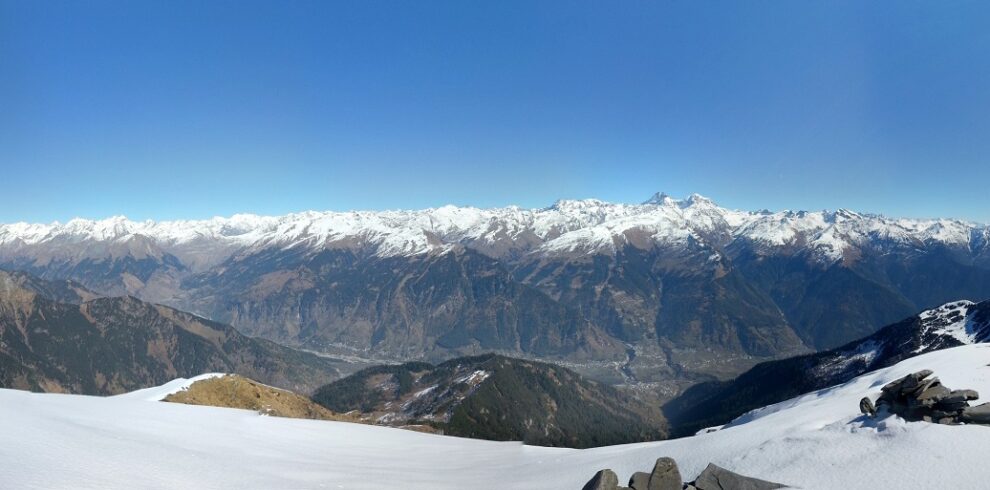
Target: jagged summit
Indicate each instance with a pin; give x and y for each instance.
(658, 198)
(698, 199)
(574, 204)
(664, 199)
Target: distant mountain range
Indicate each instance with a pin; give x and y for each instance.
(668, 291)
(54, 337)
(715, 403)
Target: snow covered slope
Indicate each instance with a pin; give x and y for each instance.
(816, 441)
(950, 325)
(568, 226)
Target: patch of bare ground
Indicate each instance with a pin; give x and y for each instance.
(233, 391)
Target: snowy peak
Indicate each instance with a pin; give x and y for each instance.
(571, 205)
(659, 199)
(949, 325)
(964, 322)
(698, 200)
(955, 323)
(664, 199)
(947, 312)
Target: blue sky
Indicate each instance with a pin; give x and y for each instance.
(188, 109)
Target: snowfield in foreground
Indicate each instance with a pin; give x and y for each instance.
(816, 441)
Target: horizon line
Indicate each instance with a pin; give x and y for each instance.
(651, 201)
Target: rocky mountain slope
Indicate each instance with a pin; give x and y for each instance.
(498, 398)
(714, 403)
(111, 345)
(666, 291)
(62, 291)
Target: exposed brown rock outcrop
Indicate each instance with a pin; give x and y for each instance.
(232, 391)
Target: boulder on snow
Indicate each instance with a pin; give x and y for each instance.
(603, 480)
(907, 383)
(927, 385)
(665, 475)
(866, 406)
(640, 481)
(931, 395)
(945, 405)
(961, 396)
(718, 478)
(979, 414)
(918, 396)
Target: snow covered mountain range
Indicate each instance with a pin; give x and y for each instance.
(569, 226)
(667, 291)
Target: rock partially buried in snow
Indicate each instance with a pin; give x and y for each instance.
(962, 395)
(603, 480)
(866, 406)
(907, 383)
(979, 414)
(933, 394)
(665, 475)
(718, 478)
(917, 397)
(640, 481)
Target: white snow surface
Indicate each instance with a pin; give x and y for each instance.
(158, 393)
(567, 227)
(816, 441)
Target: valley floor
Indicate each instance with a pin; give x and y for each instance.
(817, 441)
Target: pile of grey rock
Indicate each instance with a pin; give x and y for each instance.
(666, 476)
(921, 397)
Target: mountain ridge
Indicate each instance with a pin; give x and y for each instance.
(564, 226)
(109, 345)
(498, 398)
(950, 325)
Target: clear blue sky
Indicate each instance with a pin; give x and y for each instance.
(187, 109)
